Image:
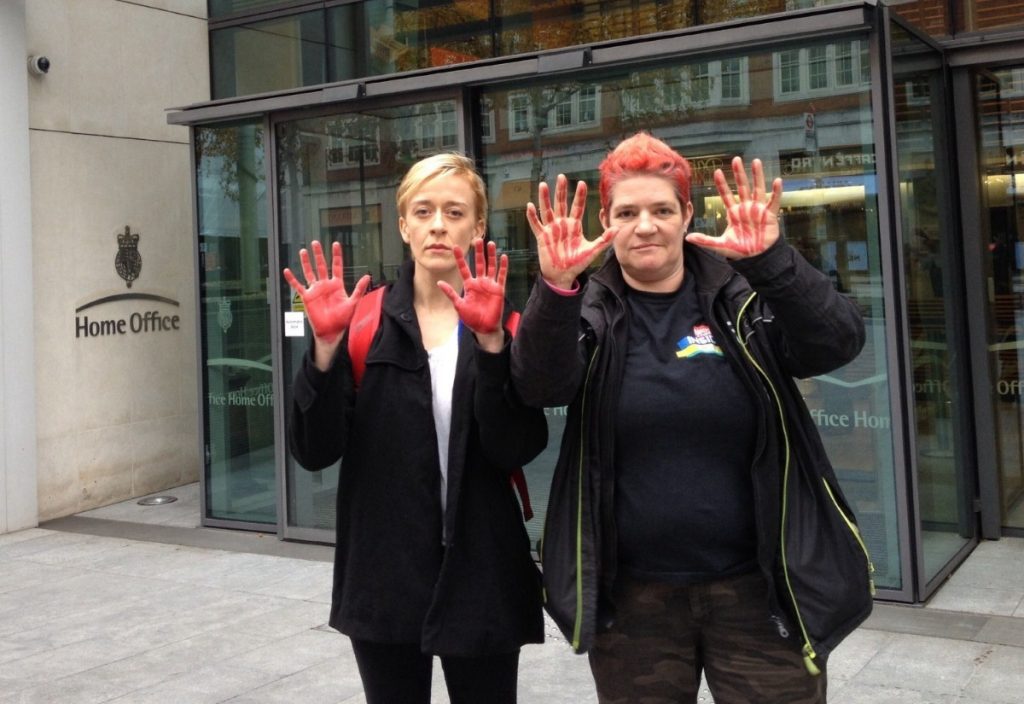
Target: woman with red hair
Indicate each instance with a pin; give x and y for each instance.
(695, 526)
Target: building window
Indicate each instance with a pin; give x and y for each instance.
(789, 71)
(715, 83)
(675, 91)
(844, 64)
(700, 83)
(1011, 83)
(817, 67)
(436, 128)
(563, 112)
(918, 91)
(566, 107)
(519, 115)
(732, 80)
(823, 69)
(350, 143)
(449, 126)
(588, 104)
(428, 136)
(487, 121)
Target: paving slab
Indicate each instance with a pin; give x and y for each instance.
(933, 666)
(997, 677)
(102, 611)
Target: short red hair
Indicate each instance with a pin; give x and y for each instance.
(644, 155)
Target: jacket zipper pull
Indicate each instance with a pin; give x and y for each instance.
(809, 656)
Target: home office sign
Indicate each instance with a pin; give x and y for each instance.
(128, 265)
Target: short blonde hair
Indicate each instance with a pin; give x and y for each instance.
(444, 164)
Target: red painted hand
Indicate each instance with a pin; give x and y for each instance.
(482, 302)
(329, 308)
(753, 222)
(562, 249)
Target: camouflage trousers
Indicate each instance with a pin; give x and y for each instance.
(664, 636)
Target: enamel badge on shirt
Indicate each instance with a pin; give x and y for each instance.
(700, 342)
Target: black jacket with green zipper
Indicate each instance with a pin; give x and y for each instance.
(776, 318)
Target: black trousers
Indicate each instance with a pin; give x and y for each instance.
(401, 674)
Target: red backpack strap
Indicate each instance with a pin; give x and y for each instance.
(519, 482)
(361, 330)
(512, 323)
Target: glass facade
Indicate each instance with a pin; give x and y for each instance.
(1000, 96)
(237, 381)
(269, 55)
(268, 45)
(977, 15)
(337, 176)
(857, 122)
(223, 8)
(710, 110)
(941, 18)
(342, 41)
(944, 485)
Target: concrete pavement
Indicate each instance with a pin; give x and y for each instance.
(108, 607)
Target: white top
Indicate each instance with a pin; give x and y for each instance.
(443, 359)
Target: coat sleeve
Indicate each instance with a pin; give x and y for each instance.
(322, 403)
(815, 329)
(511, 433)
(547, 365)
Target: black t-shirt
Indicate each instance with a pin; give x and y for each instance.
(684, 441)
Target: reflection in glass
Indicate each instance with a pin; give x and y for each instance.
(976, 15)
(723, 10)
(221, 8)
(377, 37)
(1001, 153)
(532, 26)
(944, 491)
(762, 105)
(933, 18)
(235, 324)
(337, 177)
(270, 55)
(346, 42)
(409, 36)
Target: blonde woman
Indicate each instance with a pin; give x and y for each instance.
(432, 557)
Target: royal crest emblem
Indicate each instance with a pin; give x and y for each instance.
(128, 261)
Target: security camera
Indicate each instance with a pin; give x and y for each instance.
(38, 65)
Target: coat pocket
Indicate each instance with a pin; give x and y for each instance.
(825, 567)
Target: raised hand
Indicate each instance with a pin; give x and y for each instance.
(562, 249)
(753, 216)
(328, 306)
(482, 302)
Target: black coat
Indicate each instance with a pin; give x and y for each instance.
(394, 579)
(570, 350)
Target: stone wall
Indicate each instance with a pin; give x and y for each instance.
(115, 318)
